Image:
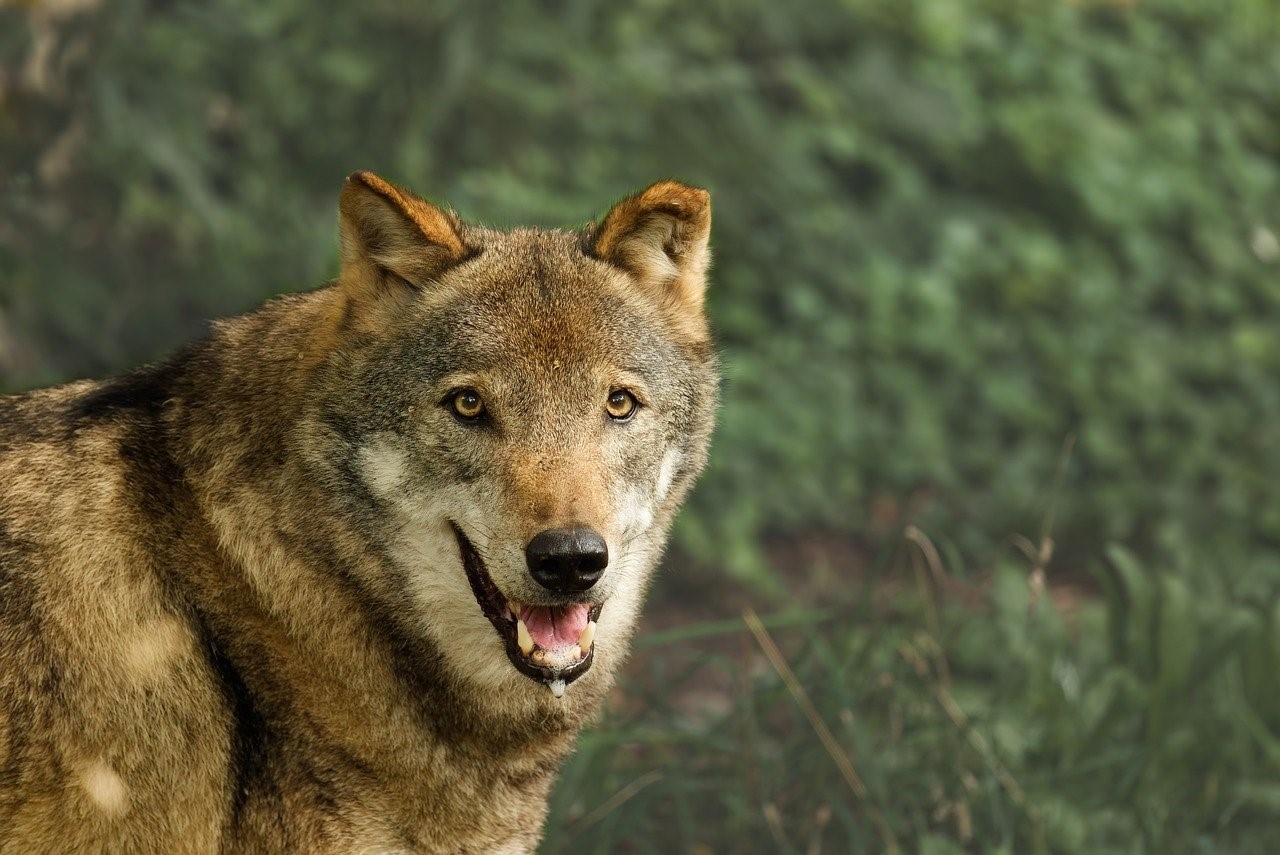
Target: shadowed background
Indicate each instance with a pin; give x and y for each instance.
(998, 291)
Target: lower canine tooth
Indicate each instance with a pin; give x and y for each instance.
(588, 635)
(523, 638)
(539, 656)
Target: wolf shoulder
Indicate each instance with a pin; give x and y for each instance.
(66, 468)
(92, 643)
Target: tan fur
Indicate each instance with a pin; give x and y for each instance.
(232, 606)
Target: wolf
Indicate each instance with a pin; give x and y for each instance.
(351, 573)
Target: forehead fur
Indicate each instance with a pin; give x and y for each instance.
(533, 292)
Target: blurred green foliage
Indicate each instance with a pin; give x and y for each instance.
(949, 235)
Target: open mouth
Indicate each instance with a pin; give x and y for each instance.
(554, 645)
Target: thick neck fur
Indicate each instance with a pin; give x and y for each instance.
(306, 643)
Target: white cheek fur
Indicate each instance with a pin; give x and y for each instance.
(384, 464)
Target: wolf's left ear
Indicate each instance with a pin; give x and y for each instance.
(387, 229)
(659, 236)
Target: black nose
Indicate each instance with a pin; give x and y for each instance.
(567, 560)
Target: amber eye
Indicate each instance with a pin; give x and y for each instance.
(622, 405)
(467, 404)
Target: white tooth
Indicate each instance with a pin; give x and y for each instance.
(515, 611)
(523, 638)
(539, 657)
(576, 653)
(588, 635)
(557, 688)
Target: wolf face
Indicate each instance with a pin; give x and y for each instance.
(518, 415)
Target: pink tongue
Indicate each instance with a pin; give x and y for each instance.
(555, 626)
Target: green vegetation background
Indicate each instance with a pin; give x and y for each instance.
(952, 239)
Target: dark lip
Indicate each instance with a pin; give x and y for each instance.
(493, 604)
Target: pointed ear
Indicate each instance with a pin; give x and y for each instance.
(385, 229)
(660, 237)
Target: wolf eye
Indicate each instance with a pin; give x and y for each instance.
(622, 405)
(467, 404)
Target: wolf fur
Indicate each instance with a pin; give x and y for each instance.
(233, 608)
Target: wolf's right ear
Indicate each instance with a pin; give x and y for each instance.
(385, 229)
(660, 236)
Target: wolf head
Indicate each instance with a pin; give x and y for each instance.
(516, 417)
